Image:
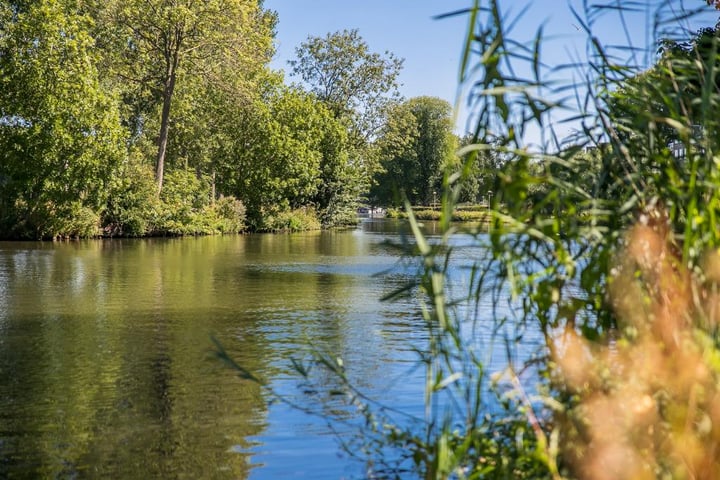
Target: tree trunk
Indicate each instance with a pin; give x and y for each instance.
(165, 121)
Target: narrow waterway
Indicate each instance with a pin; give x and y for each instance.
(107, 366)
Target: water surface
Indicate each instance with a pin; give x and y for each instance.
(106, 366)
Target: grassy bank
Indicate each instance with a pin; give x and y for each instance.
(468, 213)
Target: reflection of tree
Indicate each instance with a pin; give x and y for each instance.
(103, 355)
(95, 377)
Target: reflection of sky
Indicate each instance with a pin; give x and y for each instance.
(125, 324)
(377, 347)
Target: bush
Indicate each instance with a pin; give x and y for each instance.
(395, 213)
(297, 220)
(183, 208)
(185, 205)
(132, 204)
(228, 214)
(459, 215)
(339, 214)
(77, 221)
(472, 216)
(46, 220)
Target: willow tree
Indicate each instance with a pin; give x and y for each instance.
(160, 43)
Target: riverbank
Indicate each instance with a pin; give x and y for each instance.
(468, 213)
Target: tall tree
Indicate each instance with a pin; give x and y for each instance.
(355, 83)
(279, 145)
(163, 42)
(479, 182)
(416, 147)
(60, 136)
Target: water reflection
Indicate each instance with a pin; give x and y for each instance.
(104, 351)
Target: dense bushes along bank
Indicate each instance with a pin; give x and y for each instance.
(475, 213)
(184, 207)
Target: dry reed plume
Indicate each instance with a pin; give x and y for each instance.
(646, 404)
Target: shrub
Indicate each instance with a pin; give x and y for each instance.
(46, 220)
(78, 221)
(228, 214)
(297, 220)
(426, 214)
(395, 213)
(132, 204)
(184, 207)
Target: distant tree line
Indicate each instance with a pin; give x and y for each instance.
(151, 117)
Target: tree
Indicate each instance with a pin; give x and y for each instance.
(341, 183)
(670, 85)
(481, 178)
(162, 42)
(356, 84)
(279, 146)
(416, 149)
(60, 136)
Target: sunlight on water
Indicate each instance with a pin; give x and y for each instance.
(105, 353)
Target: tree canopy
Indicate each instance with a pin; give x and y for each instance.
(221, 44)
(357, 85)
(416, 148)
(60, 137)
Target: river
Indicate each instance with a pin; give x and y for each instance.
(107, 367)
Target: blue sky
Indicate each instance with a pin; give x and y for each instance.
(432, 48)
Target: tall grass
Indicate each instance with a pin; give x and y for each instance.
(602, 269)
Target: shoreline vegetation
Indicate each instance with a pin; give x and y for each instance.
(480, 213)
(226, 216)
(105, 131)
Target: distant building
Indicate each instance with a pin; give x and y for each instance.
(678, 149)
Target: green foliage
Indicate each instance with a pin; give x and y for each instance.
(416, 148)
(48, 220)
(186, 208)
(59, 135)
(297, 220)
(230, 215)
(341, 181)
(355, 83)
(601, 271)
(283, 153)
(170, 54)
(482, 172)
(477, 214)
(572, 227)
(95, 92)
(132, 201)
(357, 86)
